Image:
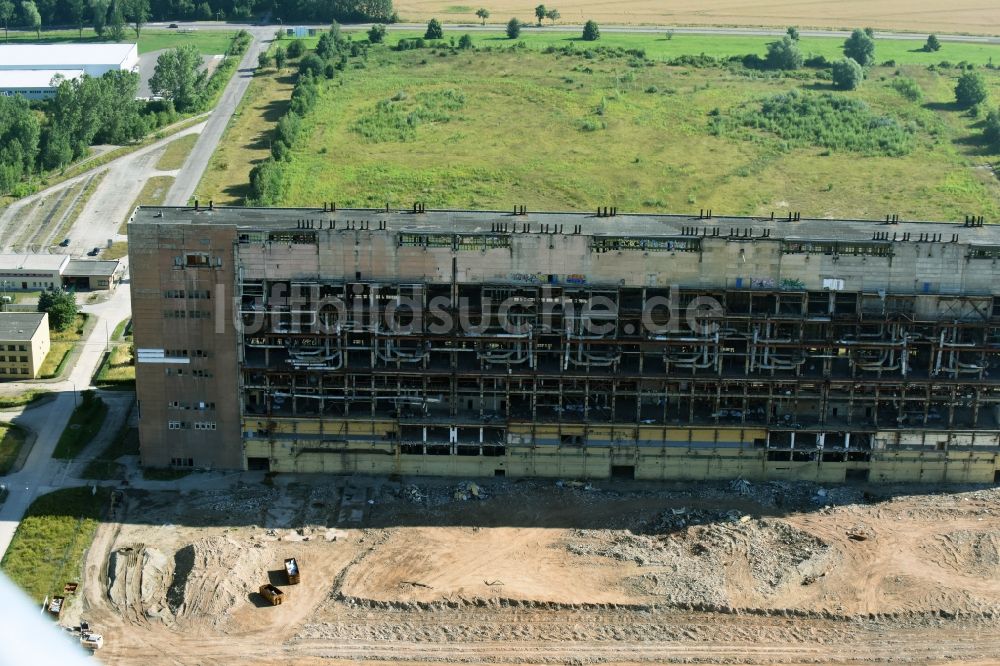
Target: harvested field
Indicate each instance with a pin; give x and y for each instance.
(539, 572)
(973, 16)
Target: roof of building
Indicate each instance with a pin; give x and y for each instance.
(47, 56)
(33, 262)
(91, 268)
(590, 224)
(35, 78)
(20, 325)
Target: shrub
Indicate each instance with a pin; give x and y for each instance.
(817, 62)
(970, 90)
(465, 41)
(826, 121)
(591, 31)
(847, 74)
(908, 88)
(263, 60)
(933, 44)
(266, 183)
(434, 30)
(991, 128)
(513, 28)
(860, 47)
(376, 34)
(296, 48)
(783, 54)
(793, 33)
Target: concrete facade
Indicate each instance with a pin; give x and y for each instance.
(24, 344)
(645, 346)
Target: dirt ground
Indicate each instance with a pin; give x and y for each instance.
(543, 572)
(972, 16)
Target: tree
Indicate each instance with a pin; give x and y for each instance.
(465, 41)
(99, 15)
(178, 76)
(32, 18)
(513, 28)
(296, 48)
(552, 15)
(860, 47)
(74, 12)
(376, 35)
(311, 63)
(971, 90)
(61, 307)
(280, 57)
(933, 44)
(991, 128)
(847, 74)
(793, 33)
(263, 60)
(591, 31)
(6, 14)
(19, 134)
(783, 54)
(540, 13)
(138, 14)
(483, 14)
(434, 30)
(116, 24)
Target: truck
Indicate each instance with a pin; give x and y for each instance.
(91, 640)
(272, 594)
(292, 571)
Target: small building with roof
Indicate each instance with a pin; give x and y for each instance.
(24, 344)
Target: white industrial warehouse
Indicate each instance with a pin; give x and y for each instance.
(32, 69)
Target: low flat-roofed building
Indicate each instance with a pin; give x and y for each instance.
(34, 83)
(24, 343)
(92, 59)
(85, 274)
(31, 271)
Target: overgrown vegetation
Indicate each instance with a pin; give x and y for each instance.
(660, 136)
(83, 426)
(176, 153)
(826, 121)
(397, 118)
(49, 545)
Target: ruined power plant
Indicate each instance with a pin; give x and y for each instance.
(516, 343)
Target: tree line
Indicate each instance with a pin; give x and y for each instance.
(112, 18)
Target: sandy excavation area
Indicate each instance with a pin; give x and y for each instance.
(538, 572)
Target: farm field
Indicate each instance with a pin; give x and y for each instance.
(973, 16)
(573, 132)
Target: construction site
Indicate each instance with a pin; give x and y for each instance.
(567, 345)
(503, 571)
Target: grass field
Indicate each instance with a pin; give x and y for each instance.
(658, 47)
(974, 16)
(176, 153)
(62, 343)
(209, 42)
(12, 438)
(49, 545)
(28, 397)
(571, 132)
(83, 426)
(153, 192)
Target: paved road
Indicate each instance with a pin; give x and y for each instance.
(197, 161)
(638, 29)
(41, 473)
